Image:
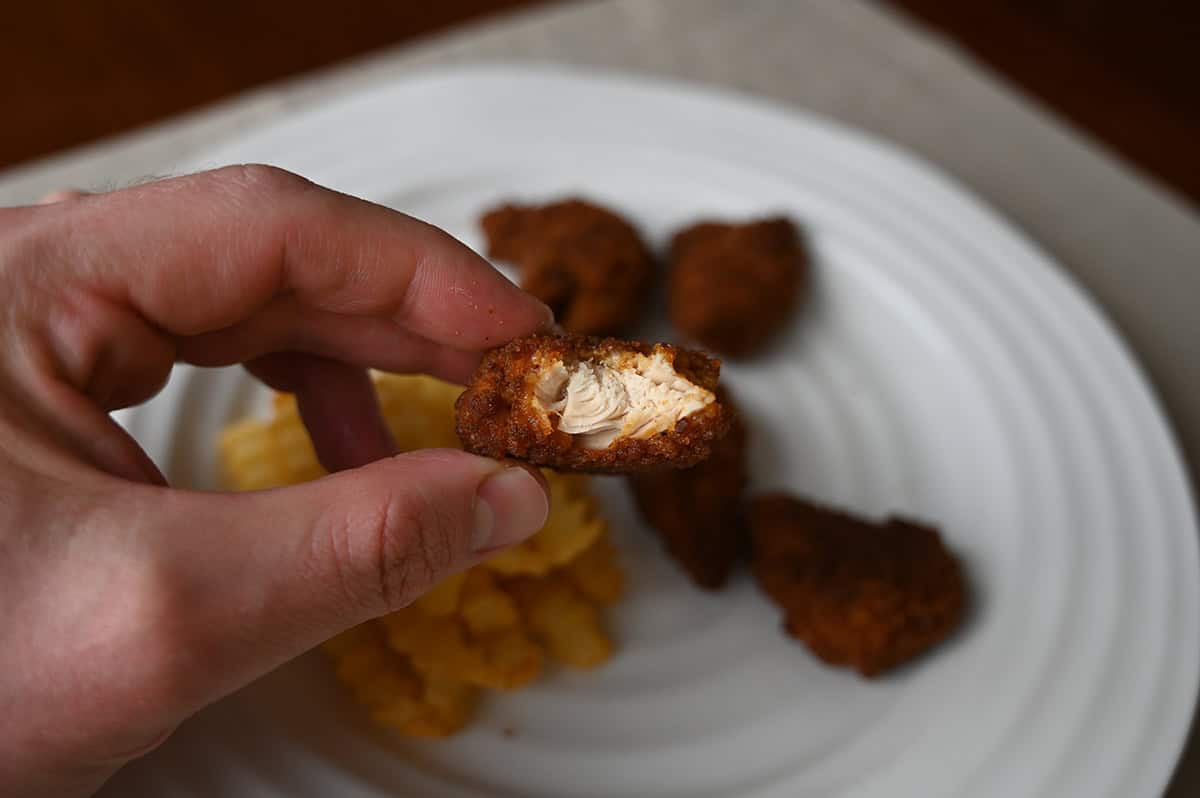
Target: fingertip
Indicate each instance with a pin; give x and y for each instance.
(511, 505)
(549, 323)
(533, 470)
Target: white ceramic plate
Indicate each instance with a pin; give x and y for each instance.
(944, 367)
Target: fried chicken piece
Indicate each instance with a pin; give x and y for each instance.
(584, 261)
(869, 596)
(733, 286)
(697, 511)
(577, 403)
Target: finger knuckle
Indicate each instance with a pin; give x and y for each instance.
(258, 179)
(413, 536)
(390, 550)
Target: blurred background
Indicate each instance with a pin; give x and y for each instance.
(1125, 71)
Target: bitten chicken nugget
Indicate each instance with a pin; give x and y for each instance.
(732, 286)
(576, 403)
(698, 511)
(870, 596)
(584, 261)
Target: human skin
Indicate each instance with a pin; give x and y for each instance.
(126, 605)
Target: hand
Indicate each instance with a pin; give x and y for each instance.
(127, 605)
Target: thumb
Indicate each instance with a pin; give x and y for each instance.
(273, 573)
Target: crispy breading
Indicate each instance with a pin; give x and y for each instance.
(869, 596)
(584, 261)
(697, 511)
(502, 413)
(733, 286)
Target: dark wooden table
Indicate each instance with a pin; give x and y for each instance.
(1125, 71)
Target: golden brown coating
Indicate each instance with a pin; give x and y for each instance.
(505, 411)
(697, 511)
(733, 286)
(584, 261)
(870, 596)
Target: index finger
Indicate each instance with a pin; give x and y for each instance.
(215, 251)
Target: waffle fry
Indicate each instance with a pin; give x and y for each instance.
(597, 574)
(486, 608)
(563, 620)
(443, 599)
(502, 659)
(394, 693)
(415, 409)
(447, 707)
(573, 525)
(269, 454)
(420, 671)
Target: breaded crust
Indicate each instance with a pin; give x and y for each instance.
(496, 415)
(733, 286)
(584, 261)
(870, 596)
(697, 511)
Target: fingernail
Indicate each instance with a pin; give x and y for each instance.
(509, 507)
(547, 316)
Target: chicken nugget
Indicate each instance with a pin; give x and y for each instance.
(732, 286)
(869, 596)
(584, 261)
(576, 403)
(697, 511)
